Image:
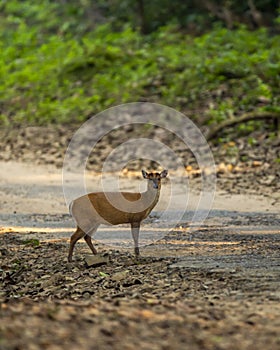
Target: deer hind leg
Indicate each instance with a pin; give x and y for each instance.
(78, 234)
(135, 227)
(88, 240)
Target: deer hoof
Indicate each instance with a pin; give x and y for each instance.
(137, 252)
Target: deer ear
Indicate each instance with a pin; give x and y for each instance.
(145, 174)
(163, 173)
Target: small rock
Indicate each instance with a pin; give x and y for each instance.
(96, 260)
(119, 275)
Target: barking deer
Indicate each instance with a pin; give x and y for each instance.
(114, 208)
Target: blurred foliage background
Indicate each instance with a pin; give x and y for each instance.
(63, 61)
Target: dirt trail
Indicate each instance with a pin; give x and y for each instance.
(33, 197)
(29, 189)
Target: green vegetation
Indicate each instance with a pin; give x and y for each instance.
(65, 71)
(32, 242)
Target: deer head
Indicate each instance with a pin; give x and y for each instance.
(154, 178)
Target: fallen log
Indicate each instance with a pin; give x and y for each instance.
(260, 115)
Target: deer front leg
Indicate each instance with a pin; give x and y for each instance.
(135, 227)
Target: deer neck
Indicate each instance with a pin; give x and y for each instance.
(151, 195)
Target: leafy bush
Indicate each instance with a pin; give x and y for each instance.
(65, 79)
